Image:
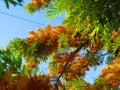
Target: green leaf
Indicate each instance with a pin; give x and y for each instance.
(13, 2)
(116, 44)
(63, 41)
(77, 84)
(36, 70)
(9, 60)
(30, 8)
(6, 3)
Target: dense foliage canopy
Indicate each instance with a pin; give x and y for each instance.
(89, 32)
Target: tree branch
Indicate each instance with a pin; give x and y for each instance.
(104, 54)
(74, 52)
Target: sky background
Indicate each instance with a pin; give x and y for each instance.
(11, 27)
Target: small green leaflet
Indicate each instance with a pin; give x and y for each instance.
(63, 41)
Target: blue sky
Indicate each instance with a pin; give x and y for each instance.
(12, 27)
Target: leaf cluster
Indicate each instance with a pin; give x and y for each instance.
(13, 2)
(26, 50)
(9, 60)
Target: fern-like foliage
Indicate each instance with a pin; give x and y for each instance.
(13, 2)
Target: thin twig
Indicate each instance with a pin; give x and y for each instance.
(104, 54)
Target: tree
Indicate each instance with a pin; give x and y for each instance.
(89, 29)
(13, 2)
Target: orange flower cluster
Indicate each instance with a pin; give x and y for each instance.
(23, 82)
(31, 63)
(76, 65)
(48, 37)
(115, 34)
(95, 46)
(4, 86)
(40, 1)
(41, 82)
(112, 72)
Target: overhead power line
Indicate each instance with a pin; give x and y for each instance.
(21, 18)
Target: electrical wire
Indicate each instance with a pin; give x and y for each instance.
(21, 18)
(24, 18)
